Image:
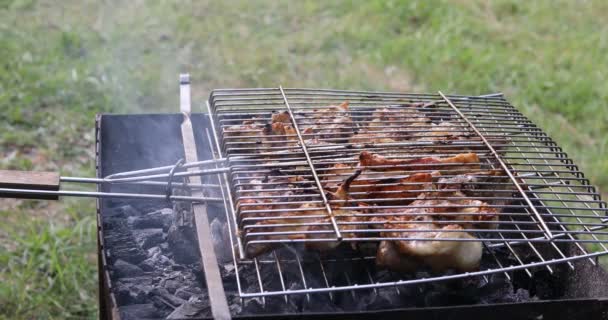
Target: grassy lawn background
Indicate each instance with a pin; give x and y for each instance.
(61, 62)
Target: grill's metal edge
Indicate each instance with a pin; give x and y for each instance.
(108, 308)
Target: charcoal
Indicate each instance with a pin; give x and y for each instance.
(153, 220)
(139, 311)
(148, 265)
(121, 245)
(172, 285)
(221, 240)
(183, 244)
(123, 295)
(131, 294)
(125, 269)
(382, 298)
(126, 211)
(165, 247)
(184, 293)
(190, 310)
(167, 278)
(111, 223)
(148, 238)
(166, 297)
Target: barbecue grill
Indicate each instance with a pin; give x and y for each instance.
(549, 229)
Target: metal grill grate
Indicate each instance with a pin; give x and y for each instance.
(485, 168)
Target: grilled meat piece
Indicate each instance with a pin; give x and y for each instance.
(458, 163)
(301, 224)
(399, 117)
(332, 122)
(387, 256)
(456, 206)
(280, 117)
(377, 186)
(238, 136)
(464, 254)
(443, 131)
(369, 137)
(452, 206)
(389, 125)
(307, 222)
(476, 184)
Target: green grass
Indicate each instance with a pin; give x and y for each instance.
(63, 61)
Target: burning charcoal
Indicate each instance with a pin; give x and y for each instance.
(148, 238)
(182, 242)
(125, 269)
(190, 310)
(139, 311)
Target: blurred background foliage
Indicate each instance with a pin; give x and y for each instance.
(61, 62)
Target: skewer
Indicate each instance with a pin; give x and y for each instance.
(164, 168)
(145, 183)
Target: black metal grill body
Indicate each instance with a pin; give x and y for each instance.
(125, 140)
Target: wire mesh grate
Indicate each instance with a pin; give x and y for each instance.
(321, 174)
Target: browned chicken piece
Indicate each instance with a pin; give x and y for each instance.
(332, 176)
(280, 131)
(443, 131)
(460, 162)
(403, 190)
(373, 186)
(280, 117)
(396, 117)
(267, 195)
(331, 122)
(476, 213)
(368, 137)
(470, 213)
(389, 125)
(477, 184)
(246, 132)
(387, 256)
(428, 248)
(302, 224)
(391, 191)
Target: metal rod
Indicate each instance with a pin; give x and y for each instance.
(416, 281)
(144, 183)
(165, 168)
(312, 167)
(166, 175)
